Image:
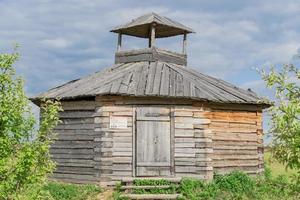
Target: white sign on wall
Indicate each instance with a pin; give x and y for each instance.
(118, 122)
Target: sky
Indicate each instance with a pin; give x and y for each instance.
(64, 40)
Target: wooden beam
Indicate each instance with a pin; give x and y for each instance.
(152, 35)
(119, 42)
(184, 43)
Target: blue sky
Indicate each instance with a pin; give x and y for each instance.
(66, 39)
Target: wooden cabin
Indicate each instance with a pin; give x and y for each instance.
(149, 115)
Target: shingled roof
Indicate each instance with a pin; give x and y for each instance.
(140, 27)
(148, 79)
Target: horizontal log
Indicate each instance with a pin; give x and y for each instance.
(75, 181)
(251, 137)
(122, 145)
(78, 105)
(72, 151)
(76, 137)
(183, 114)
(72, 156)
(184, 125)
(237, 152)
(74, 160)
(120, 153)
(86, 143)
(184, 133)
(76, 121)
(121, 160)
(75, 127)
(75, 177)
(122, 167)
(234, 143)
(237, 147)
(234, 157)
(75, 114)
(232, 163)
(67, 164)
(76, 170)
(182, 169)
(184, 144)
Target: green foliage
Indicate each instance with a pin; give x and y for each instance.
(238, 185)
(61, 191)
(195, 189)
(285, 115)
(24, 152)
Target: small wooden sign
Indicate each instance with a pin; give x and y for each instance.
(118, 122)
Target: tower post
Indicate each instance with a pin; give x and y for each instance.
(119, 42)
(184, 43)
(152, 35)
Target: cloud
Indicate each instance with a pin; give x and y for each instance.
(64, 40)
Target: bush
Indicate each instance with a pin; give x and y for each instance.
(24, 151)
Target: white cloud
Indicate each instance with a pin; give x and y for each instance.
(56, 43)
(70, 38)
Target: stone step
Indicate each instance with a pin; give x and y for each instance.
(145, 187)
(150, 196)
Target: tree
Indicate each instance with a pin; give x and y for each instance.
(285, 114)
(24, 151)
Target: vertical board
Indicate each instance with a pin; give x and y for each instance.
(153, 146)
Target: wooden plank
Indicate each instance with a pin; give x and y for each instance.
(75, 114)
(65, 121)
(133, 142)
(179, 85)
(157, 78)
(234, 136)
(164, 86)
(71, 151)
(135, 79)
(72, 156)
(76, 170)
(172, 90)
(150, 78)
(78, 105)
(141, 88)
(172, 140)
(75, 127)
(125, 83)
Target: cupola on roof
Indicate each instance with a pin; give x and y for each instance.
(141, 27)
(152, 72)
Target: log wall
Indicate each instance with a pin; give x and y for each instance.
(204, 138)
(237, 139)
(76, 144)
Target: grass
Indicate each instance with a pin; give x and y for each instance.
(63, 191)
(233, 186)
(236, 185)
(276, 167)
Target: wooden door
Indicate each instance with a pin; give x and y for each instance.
(153, 146)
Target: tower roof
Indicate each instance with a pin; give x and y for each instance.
(141, 26)
(153, 79)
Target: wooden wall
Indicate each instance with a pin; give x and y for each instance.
(193, 143)
(237, 138)
(206, 137)
(74, 150)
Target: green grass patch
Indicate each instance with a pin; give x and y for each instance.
(276, 167)
(63, 191)
(238, 185)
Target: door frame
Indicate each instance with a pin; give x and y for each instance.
(172, 137)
